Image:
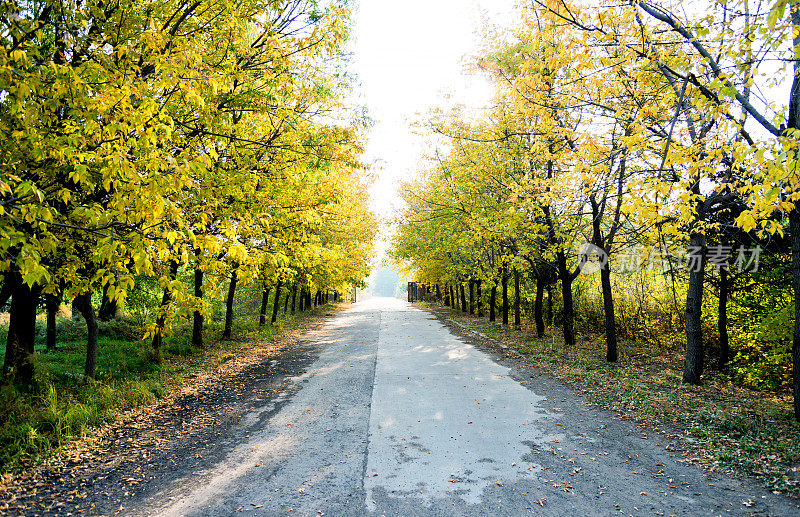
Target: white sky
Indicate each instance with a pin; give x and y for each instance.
(407, 55)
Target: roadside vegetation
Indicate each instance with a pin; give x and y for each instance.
(65, 405)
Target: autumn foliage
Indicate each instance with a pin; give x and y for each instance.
(149, 138)
(623, 138)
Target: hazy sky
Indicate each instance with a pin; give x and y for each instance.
(407, 55)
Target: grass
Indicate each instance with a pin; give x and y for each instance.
(65, 406)
(723, 425)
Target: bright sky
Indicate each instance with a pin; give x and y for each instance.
(407, 56)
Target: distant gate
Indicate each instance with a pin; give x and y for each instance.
(413, 292)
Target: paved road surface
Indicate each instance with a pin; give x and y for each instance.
(399, 417)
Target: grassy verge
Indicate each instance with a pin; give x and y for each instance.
(65, 406)
(723, 426)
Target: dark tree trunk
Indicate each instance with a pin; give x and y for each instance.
(504, 282)
(53, 303)
(605, 272)
(478, 296)
(286, 302)
(197, 317)
(693, 366)
(566, 293)
(608, 310)
(493, 303)
(517, 315)
(537, 308)
(84, 305)
(108, 307)
(722, 319)
(446, 296)
(471, 296)
(226, 333)
(262, 314)
(550, 305)
(793, 122)
(463, 297)
(294, 298)
(453, 298)
(794, 228)
(276, 302)
(438, 293)
(18, 363)
(158, 338)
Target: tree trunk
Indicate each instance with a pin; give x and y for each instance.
(537, 308)
(84, 305)
(53, 304)
(294, 298)
(108, 307)
(566, 293)
(794, 229)
(505, 296)
(463, 297)
(446, 296)
(471, 296)
(453, 298)
(158, 338)
(493, 303)
(793, 122)
(693, 366)
(18, 363)
(262, 314)
(197, 317)
(276, 302)
(605, 272)
(479, 299)
(550, 305)
(226, 333)
(608, 310)
(517, 315)
(722, 319)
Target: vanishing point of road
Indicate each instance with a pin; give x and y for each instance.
(395, 415)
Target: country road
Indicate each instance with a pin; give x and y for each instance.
(397, 416)
(379, 409)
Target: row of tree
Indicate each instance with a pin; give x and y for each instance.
(618, 127)
(144, 138)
